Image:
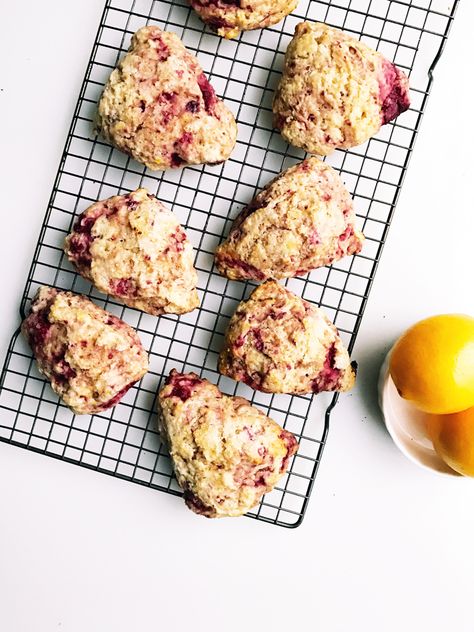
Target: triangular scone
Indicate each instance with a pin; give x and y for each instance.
(133, 248)
(278, 343)
(229, 17)
(335, 91)
(226, 453)
(90, 357)
(159, 107)
(302, 220)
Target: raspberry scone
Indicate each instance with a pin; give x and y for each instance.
(90, 356)
(304, 219)
(229, 17)
(335, 91)
(133, 248)
(279, 343)
(159, 107)
(226, 453)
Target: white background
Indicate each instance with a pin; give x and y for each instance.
(385, 546)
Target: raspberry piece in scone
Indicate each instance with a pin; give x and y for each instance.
(335, 91)
(229, 17)
(159, 107)
(304, 219)
(90, 357)
(133, 248)
(226, 453)
(277, 342)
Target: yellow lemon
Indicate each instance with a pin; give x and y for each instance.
(453, 439)
(432, 364)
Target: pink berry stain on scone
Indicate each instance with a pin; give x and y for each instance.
(159, 107)
(335, 91)
(134, 249)
(394, 92)
(182, 385)
(90, 357)
(278, 343)
(226, 453)
(229, 17)
(208, 94)
(302, 220)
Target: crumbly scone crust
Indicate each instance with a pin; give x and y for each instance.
(90, 356)
(226, 453)
(303, 219)
(133, 248)
(279, 343)
(335, 91)
(159, 107)
(229, 17)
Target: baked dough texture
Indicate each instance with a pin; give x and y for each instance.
(159, 107)
(229, 17)
(279, 343)
(134, 249)
(226, 452)
(303, 219)
(90, 356)
(335, 91)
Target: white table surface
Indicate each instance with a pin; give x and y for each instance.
(385, 546)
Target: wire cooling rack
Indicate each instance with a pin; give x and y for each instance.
(124, 442)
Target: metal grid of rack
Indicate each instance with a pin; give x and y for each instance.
(124, 442)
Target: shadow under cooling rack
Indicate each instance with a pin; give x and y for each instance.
(124, 442)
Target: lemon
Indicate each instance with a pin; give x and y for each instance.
(432, 364)
(453, 439)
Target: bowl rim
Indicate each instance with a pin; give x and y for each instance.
(384, 381)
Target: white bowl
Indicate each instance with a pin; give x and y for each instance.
(407, 426)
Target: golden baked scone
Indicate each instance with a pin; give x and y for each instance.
(133, 248)
(159, 107)
(229, 17)
(226, 453)
(303, 219)
(279, 343)
(335, 91)
(90, 356)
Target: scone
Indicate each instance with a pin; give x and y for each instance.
(133, 248)
(335, 91)
(226, 453)
(90, 356)
(229, 17)
(159, 107)
(302, 220)
(278, 343)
